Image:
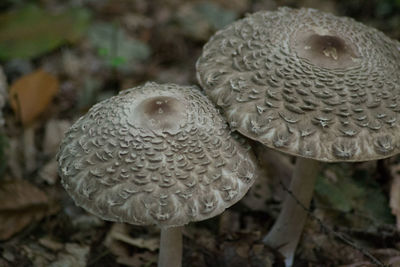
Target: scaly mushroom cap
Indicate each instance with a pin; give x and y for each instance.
(155, 154)
(307, 83)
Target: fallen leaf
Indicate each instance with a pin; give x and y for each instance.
(21, 203)
(31, 31)
(120, 232)
(151, 244)
(50, 243)
(31, 94)
(75, 255)
(118, 242)
(37, 255)
(353, 195)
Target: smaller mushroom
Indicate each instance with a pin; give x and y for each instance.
(155, 154)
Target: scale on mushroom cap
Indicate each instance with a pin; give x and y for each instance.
(155, 154)
(310, 84)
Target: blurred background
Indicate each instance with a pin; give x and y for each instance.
(58, 58)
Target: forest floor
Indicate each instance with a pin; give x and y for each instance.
(61, 57)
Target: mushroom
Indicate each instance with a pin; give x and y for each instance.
(309, 84)
(155, 155)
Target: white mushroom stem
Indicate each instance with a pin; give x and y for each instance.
(170, 247)
(286, 232)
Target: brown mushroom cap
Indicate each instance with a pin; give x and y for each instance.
(307, 83)
(155, 154)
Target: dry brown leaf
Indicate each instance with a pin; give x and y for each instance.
(395, 193)
(73, 255)
(21, 203)
(120, 232)
(50, 243)
(31, 94)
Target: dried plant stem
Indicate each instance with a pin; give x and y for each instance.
(286, 232)
(170, 247)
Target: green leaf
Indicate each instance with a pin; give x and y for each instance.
(115, 46)
(356, 195)
(32, 31)
(332, 194)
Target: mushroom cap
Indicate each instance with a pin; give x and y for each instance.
(307, 83)
(155, 154)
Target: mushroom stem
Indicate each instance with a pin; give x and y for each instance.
(285, 233)
(170, 247)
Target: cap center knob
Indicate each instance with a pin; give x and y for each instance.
(162, 112)
(326, 50)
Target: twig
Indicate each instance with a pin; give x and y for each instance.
(339, 236)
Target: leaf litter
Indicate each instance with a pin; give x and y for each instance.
(106, 46)
(22, 204)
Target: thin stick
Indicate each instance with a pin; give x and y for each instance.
(329, 230)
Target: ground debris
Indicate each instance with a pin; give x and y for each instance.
(246, 249)
(21, 204)
(73, 255)
(111, 45)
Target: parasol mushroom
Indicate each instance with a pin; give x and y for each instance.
(155, 155)
(309, 84)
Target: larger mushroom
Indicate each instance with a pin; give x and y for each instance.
(155, 155)
(309, 84)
